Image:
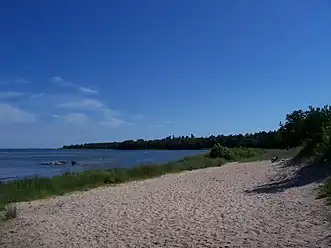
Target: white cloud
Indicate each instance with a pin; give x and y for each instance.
(87, 90)
(38, 121)
(112, 122)
(9, 114)
(10, 94)
(102, 114)
(138, 117)
(84, 90)
(168, 122)
(111, 118)
(109, 113)
(57, 79)
(36, 96)
(14, 94)
(85, 103)
(73, 117)
(21, 81)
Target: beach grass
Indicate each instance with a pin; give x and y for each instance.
(326, 191)
(35, 188)
(270, 153)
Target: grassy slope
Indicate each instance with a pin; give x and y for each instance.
(270, 153)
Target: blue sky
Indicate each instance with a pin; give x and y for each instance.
(88, 71)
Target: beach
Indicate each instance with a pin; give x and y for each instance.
(213, 207)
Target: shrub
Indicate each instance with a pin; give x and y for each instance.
(10, 212)
(219, 151)
(319, 145)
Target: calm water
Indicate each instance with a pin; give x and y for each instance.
(15, 164)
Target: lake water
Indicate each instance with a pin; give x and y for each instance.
(19, 163)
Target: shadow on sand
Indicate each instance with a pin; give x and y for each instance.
(316, 171)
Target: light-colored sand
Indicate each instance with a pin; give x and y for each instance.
(204, 208)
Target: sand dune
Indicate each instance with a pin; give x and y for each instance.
(214, 207)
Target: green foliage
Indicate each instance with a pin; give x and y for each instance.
(11, 212)
(244, 152)
(327, 190)
(237, 153)
(322, 140)
(312, 128)
(219, 151)
(300, 127)
(268, 154)
(35, 188)
(267, 140)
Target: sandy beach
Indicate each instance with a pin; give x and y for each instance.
(214, 207)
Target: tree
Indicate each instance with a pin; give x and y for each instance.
(300, 127)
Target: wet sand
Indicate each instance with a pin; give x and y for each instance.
(214, 207)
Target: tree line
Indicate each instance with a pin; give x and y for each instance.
(300, 126)
(261, 140)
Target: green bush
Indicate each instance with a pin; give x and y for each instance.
(244, 152)
(319, 144)
(11, 212)
(219, 151)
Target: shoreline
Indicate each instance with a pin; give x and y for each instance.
(37, 187)
(29, 165)
(214, 206)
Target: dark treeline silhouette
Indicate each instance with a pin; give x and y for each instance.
(262, 140)
(299, 126)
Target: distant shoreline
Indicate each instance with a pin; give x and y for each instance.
(19, 149)
(61, 148)
(139, 149)
(263, 139)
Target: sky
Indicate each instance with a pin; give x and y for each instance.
(93, 71)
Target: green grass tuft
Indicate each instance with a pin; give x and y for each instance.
(10, 212)
(326, 191)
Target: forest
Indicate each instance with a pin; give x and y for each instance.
(299, 127)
